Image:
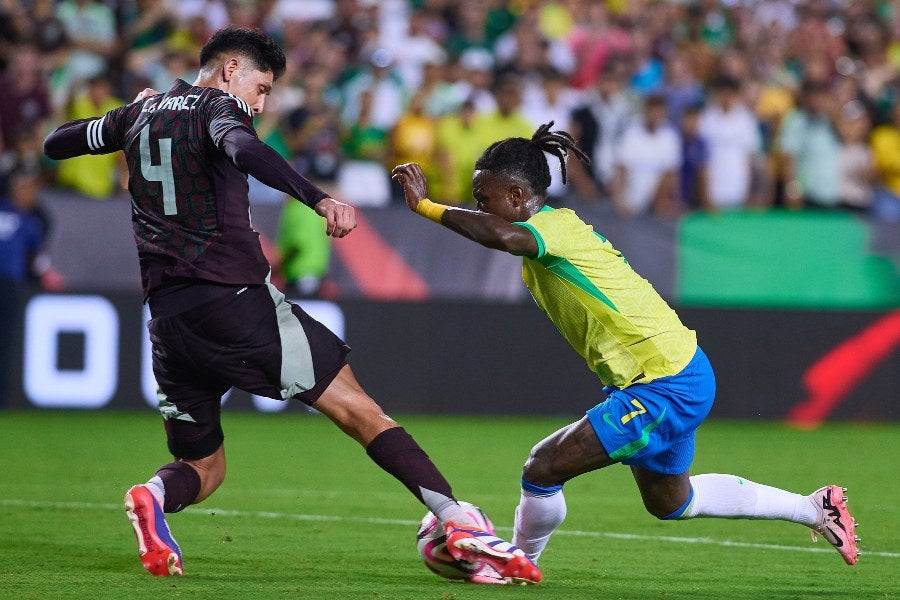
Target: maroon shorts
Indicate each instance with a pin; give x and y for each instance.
(250, 338)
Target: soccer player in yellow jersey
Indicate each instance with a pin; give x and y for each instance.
(659, 383)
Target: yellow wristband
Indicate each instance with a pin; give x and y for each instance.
(431, 210)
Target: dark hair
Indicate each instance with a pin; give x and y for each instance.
(262, 50)
(524, 159)
(725, 82)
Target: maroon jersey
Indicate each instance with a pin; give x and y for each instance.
(190, 209)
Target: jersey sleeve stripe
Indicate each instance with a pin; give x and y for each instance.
(95, 133)
(90, 135)
(99, 132)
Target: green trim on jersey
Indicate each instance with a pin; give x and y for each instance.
(563, 267)
(609, 314)
(570, 273)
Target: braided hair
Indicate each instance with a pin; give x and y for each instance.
(523, 158)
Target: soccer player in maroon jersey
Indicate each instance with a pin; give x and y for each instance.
(217, 322)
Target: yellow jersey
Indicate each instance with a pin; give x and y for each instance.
(609, 314)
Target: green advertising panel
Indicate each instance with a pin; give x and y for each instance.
(782, 259)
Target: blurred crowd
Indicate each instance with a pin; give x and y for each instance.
(682, 106)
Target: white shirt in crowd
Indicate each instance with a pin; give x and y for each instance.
(646, 156)
(733, 137)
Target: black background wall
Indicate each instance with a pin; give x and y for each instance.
(488, 358)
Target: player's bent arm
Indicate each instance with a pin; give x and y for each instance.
(491, 231)
(254, 157)
(69, 140)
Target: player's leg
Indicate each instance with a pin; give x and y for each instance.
(310, 365)
(189, 401)
(394, 450)
(733, 497)
(571, 451)
(175, 486)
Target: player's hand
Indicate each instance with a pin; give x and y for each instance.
(340, 218)
(145, 93)
(412, 180)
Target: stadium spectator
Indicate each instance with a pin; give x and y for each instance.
(416, 49)
(213, 13)
(857, 173)
(414, 138)
(475, 79)
(90, 27)
(680, 89)
(694, 173)
(647, 163)
(647, 70)
(362, 178)
(24, 155)
(732, 132)
(304, 249)
(441, 95)
(146, 29)
(599, 125)
(379, 81)
(456, 144)
(478, 24)
(25, 101)
(595, 39)
(312, 130)
(658, 382)
(455, 50)
(45, 30)
(508, 119)
(216, 321)
(22, 238)
(93, 176)
(810, 149)
(885, 143)
(550, 98)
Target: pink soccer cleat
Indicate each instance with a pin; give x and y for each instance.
(157, 548)
(468, 543)
(835, 523)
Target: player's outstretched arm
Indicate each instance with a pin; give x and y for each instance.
(487, 229)
(68, 140)
(254, 157)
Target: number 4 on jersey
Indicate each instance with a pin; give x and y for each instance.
(161, 172)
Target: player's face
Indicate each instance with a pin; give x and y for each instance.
(252, 87)
(498, 195)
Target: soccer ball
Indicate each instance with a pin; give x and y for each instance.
(432, 544)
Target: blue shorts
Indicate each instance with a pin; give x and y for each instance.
(652, 425)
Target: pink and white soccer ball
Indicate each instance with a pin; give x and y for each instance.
(432, 545)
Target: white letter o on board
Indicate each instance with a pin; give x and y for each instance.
(94, 385)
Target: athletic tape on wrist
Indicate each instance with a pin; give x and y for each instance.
(431, 210)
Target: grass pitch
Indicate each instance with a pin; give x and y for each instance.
(304, 514)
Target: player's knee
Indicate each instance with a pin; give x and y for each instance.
(656, 511)
(663, 509)
(538, 468)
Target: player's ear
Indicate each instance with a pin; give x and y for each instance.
(516, 195)
(228, 69)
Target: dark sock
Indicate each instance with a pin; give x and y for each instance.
(395, 451)
(182, 483)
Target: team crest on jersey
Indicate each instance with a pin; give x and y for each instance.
(243, 104)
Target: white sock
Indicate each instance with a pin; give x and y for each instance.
(454, 512)
(733, 497)
(537, 517)
(445, 508)
(158, 489)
